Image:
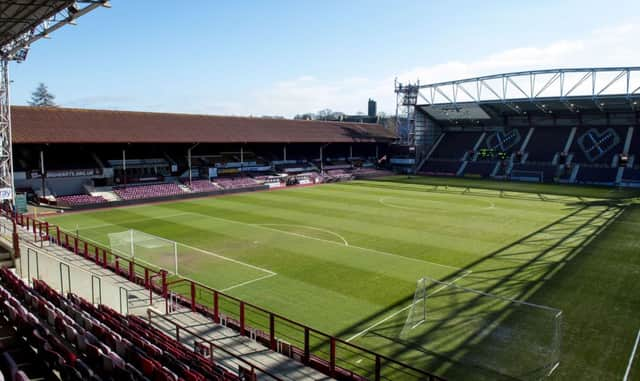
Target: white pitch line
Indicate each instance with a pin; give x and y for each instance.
(211, 254)
(346, 243)
(227, 258)
(328, 241)
(133, 220)
(633, 354)
(383, 201)
(493, 206)
(401, 310)
(355, 247)
(553, 369)
(248, 282)
(125, 254)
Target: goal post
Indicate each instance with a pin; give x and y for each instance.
(505, 336)
(418, 310)
(146, 248)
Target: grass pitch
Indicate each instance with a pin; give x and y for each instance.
(344, 258)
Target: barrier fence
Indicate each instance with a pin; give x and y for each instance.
(328, 354)
(205, 347)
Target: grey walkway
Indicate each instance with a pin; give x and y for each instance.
(251, 351)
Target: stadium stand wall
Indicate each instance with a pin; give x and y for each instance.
(98, 155)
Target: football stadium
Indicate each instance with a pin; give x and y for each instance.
(493, 234)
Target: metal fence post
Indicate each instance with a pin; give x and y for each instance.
(164, 283)
(193, 297)
(332, 356)
(306, 345)
(272, 331)
(242, 318)
(216, 308)
(16, 241)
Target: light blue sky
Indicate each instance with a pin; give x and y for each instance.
(287, 57)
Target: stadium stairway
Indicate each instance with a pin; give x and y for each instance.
(248, 349)
(138, 304)
(109, 196)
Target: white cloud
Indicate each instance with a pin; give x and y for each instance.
(613, 46)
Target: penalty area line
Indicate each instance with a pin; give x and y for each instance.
(633, 354)
(402, 310)
(206, 252)
(248, 282)
(271, 273)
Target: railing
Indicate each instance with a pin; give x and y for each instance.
(321, 351)
(44, 232)
(211, 348)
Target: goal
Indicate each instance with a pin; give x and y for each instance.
(510, 337)
(145, 247)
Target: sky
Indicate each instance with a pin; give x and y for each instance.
(285, 58)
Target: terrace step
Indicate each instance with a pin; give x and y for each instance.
(107, 195)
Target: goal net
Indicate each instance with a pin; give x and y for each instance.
(146, 248)
(502, 336)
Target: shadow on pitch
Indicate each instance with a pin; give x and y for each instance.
(515, 271)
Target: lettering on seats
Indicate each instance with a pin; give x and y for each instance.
(595, 144)
(503, 140)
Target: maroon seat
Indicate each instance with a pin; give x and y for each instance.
(148, 191)
(79, 199)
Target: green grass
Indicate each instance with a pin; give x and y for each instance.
(347, 256)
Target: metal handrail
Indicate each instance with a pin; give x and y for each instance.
(180, 327)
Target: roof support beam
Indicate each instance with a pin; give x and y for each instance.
(567, 86)
(580, 82)
(614, 80)
(17, 46)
